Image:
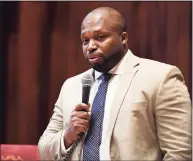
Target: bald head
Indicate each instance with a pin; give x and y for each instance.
(110, 16)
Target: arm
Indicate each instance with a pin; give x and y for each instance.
(173, 117)
(57, 137)
(50, 141)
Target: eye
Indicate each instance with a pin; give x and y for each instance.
(100, 37)
(85, 41)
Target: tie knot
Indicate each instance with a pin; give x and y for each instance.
(105, 77)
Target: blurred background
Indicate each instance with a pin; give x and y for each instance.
(40, 48)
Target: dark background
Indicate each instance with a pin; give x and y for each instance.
(40, 48)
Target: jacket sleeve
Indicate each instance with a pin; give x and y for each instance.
(50, 142)
(173, 117)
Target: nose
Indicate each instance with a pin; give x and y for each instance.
(92, 46)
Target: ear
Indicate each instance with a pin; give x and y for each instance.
(124, 38)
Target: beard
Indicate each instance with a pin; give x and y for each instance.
(108, 62)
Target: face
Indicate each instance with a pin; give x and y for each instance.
(101, 43)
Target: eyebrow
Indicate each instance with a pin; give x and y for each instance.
(96, 31)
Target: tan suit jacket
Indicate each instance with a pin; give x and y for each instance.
(150, 118)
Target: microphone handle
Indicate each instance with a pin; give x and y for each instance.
(85, 93)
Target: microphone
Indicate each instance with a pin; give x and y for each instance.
(87, 81)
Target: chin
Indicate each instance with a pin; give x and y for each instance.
(99, 68)
(103, 67)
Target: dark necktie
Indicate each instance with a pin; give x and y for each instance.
(93, 138)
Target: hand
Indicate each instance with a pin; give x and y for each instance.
(79, 121)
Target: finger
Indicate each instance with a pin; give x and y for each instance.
(82, 115)
(81, 128)
(82, 107)
(83, 122)
(77, 121)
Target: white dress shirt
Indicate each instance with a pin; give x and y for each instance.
(116, 72)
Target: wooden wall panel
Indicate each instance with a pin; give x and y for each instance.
(42, 48)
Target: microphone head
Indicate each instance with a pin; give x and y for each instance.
(87, 80)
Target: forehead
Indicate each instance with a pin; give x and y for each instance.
(96, 22)
(90, 28)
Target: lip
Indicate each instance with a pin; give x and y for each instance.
(94, 60)
(93, 56)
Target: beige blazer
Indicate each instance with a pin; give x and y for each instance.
(150, 117)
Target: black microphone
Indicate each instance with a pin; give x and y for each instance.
(87, 81)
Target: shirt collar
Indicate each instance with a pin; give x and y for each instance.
(118, 69)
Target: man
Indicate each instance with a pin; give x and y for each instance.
(138, 109)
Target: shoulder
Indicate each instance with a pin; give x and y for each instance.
(75, 80)
(154, 65)
(154, 74)
(155, 69)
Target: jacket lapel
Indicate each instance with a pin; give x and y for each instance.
(126, 79)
